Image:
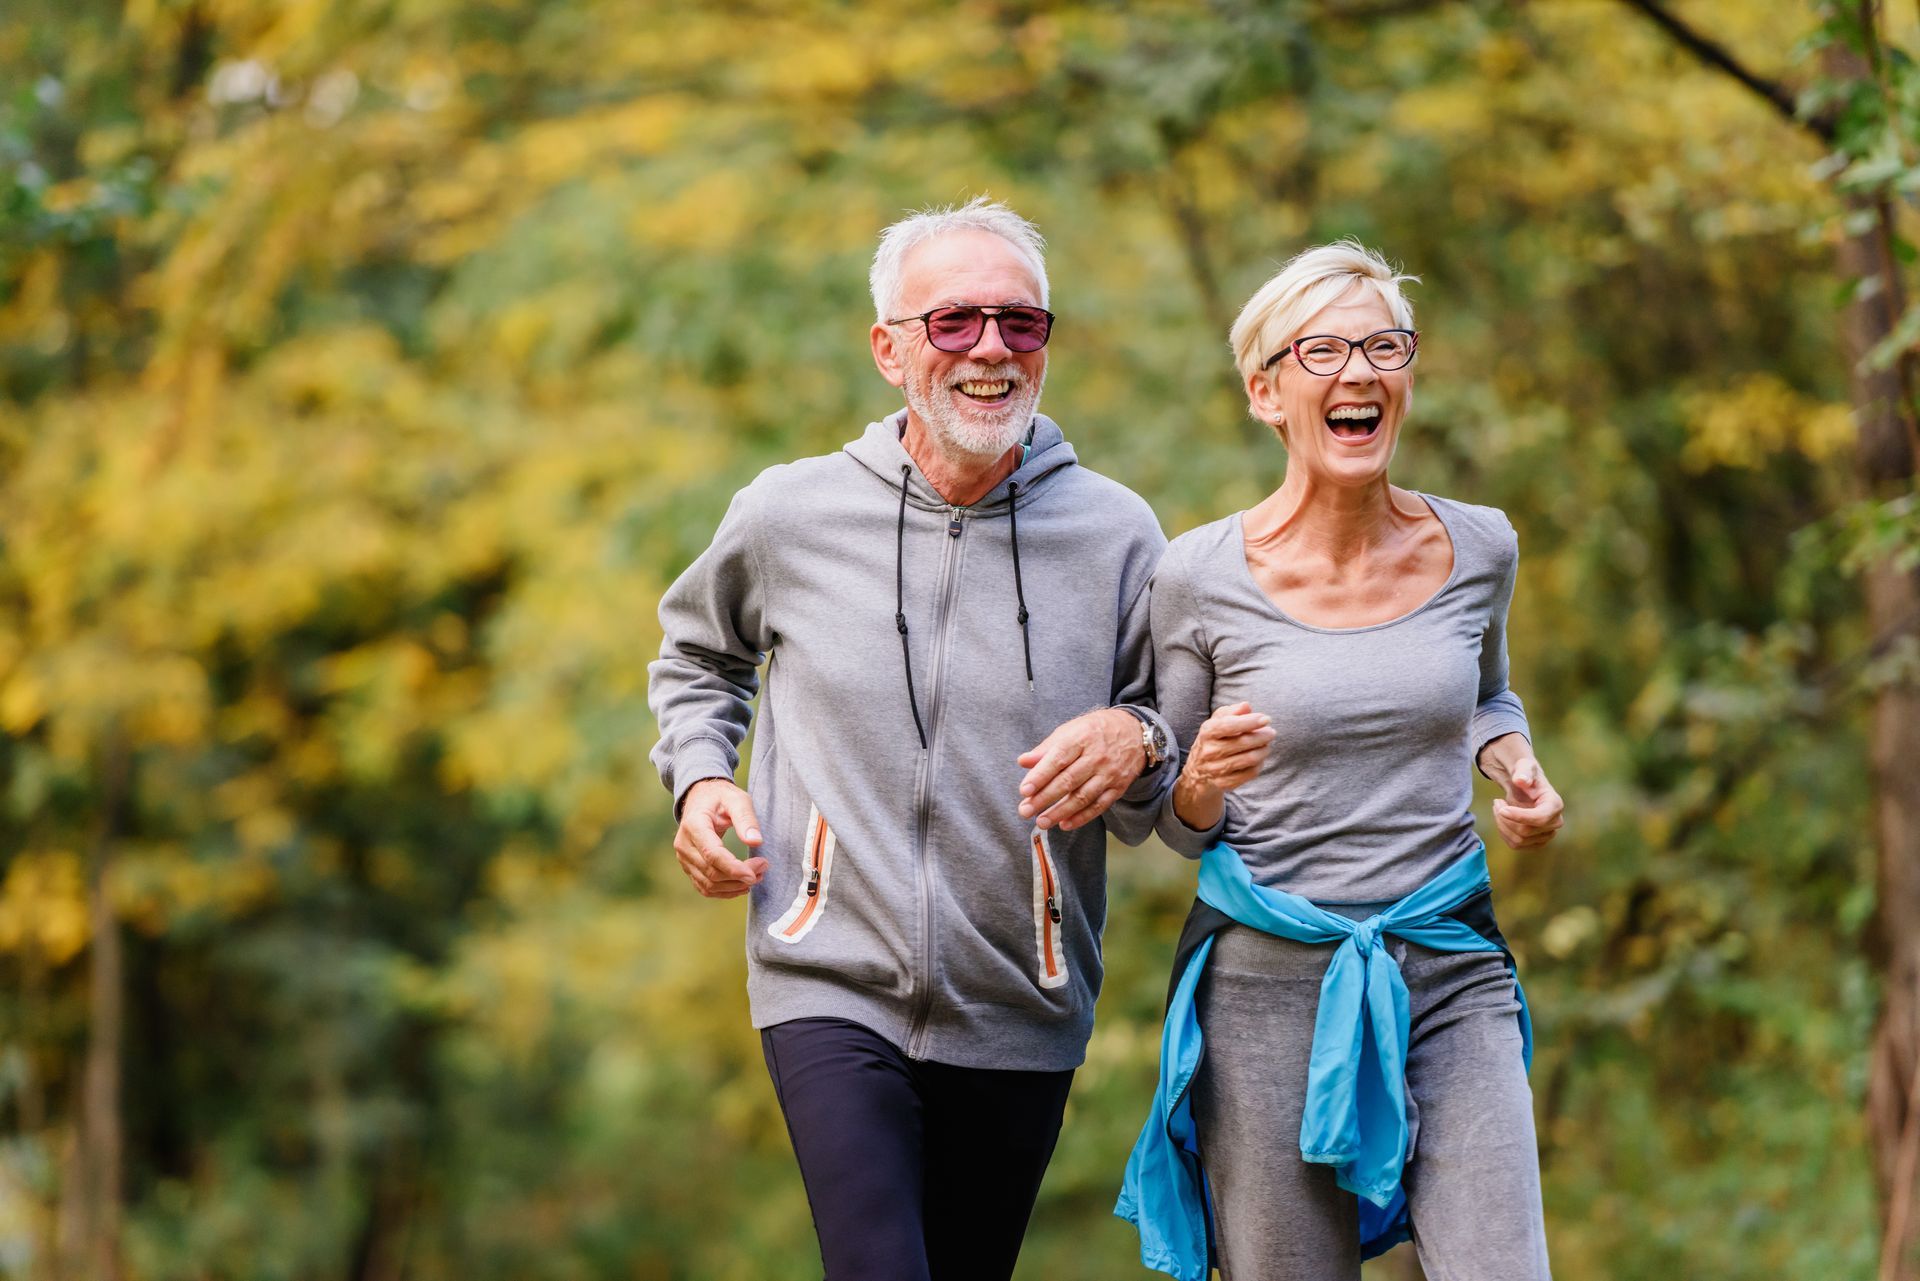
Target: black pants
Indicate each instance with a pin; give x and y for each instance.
(915, 1171)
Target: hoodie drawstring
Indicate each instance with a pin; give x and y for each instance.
(900, 603)
(1019, 592)
(900, 594)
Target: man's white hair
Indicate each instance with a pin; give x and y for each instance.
(1312, 279)
(979, 214)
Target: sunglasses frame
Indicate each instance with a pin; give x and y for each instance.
(987, 313)
(1413, 349)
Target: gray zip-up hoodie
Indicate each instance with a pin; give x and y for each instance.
(904, 891)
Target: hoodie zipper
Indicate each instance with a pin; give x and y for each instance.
(949, 579)
(1047, 915)
(811, 897)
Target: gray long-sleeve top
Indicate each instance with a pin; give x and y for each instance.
(1368, 791)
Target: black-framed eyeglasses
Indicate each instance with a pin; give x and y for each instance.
(955, 329)
(1328, 354)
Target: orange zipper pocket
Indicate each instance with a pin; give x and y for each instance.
(816, 874)
(1047, 914)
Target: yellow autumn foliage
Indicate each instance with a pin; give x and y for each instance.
(1758, 418)
(43, 905)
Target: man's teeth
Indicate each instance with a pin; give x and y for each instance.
(986, 389)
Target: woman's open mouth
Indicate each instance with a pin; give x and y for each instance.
(986, 393)
(1354, 424)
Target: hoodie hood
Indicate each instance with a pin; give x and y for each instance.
(879, 450)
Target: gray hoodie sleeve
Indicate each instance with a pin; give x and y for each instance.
(1499, 710)
(1132, 817)
(1183, 682)
(714, 636)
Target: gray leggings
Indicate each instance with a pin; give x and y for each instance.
(1473, 1181)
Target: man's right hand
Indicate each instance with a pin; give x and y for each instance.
(711, 807)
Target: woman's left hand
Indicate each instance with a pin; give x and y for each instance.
(1532, 812)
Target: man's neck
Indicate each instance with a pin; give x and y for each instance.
(960, 479)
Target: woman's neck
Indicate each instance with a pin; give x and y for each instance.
(1338, 522)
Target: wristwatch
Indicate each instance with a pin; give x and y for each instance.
(1153, 739)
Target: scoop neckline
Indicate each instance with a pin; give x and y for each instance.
(1246, 574)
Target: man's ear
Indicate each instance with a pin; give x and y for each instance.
(889, 353)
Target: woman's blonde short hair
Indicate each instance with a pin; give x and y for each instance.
(1311, 280)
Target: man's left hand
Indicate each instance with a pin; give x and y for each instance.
(1081, 769)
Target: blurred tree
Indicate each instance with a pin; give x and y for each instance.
(1865, 107)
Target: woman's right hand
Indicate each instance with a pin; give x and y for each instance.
(1230, 748)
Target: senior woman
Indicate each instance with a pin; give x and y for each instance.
(1344, 1059)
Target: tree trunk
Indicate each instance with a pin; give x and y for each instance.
(1893, 1090)
(33, 1109)
(101, 1146)
(1886, 464)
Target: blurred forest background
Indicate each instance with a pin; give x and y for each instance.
(366, 370)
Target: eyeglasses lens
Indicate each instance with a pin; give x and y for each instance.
(1024, 328)
(1324, 355)
(955, 329)
(1389, 351)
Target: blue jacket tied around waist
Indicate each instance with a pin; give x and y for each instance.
(1356, 1104)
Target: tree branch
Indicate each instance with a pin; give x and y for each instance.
(1366, 12)
(1716, 56)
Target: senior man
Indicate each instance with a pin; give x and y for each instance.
(929, 797)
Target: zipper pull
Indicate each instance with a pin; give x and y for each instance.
(1053, 909)
(953, 521)
(813, 882)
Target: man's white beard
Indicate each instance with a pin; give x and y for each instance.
(982, 433)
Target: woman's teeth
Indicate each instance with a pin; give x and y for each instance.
(1354, 420)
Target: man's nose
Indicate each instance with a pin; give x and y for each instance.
(991, 347)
